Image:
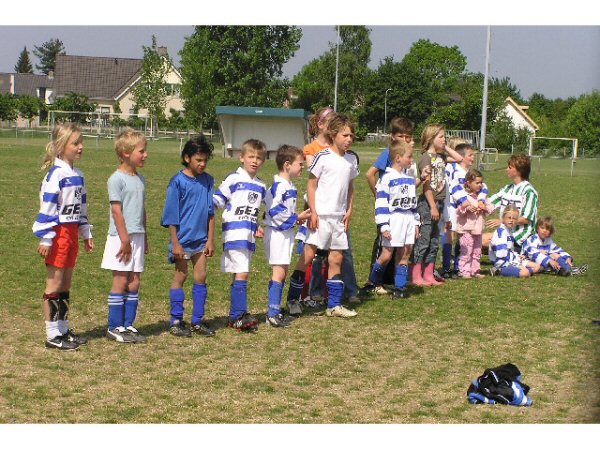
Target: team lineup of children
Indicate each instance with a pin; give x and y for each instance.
(409, 226)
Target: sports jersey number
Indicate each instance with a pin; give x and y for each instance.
(71, 209)
(404, 202)
(246, 211)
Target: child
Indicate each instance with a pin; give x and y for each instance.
(330, 197)
(470, 222)
(430, 203)
(240, 196)
(541, 248)
(280, 220)
(189, 216)
(62, 216)
(519, 193)
(127, 242)
(505, 260)
(396, 216)
(455, 177)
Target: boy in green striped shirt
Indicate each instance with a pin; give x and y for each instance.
(519, 193)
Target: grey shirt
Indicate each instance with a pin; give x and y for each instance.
(130, 191)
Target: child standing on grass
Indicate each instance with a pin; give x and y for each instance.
(431, 203)
(396, 216)
(127, 241)
(189, 216)
(330, 198)
(280, 221)
(540, 248)
(240, 195)
(505, 260)
(61, 219)
(470, 223)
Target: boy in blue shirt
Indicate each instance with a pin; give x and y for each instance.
(189, 216)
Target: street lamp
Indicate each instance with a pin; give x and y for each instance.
(385, 109)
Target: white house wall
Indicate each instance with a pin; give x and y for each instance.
(517, 119)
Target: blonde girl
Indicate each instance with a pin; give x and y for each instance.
(61, 219)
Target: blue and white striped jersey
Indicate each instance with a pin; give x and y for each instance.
(501, 251)
(395, 193)
(455, 179)
(280, 202)
(63, 200)
(240, 196)
(539, 251)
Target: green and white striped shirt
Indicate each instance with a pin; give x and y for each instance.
(525, 198)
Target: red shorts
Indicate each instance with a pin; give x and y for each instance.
(65, 246)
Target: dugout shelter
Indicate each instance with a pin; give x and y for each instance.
(273, 126)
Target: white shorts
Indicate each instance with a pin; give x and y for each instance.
(450, 214)
(330, 235)
(236, 260)
(279, 245)
(112, 247)
(402, 229)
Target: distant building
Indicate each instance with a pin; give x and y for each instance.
(517, 114)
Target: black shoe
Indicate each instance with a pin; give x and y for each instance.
(563, 272)
(448, 274)
(399, 293)
(367, 290)
(278, 321)
(579, 270)
(137, 337)
(72, 337)
(246, 322)
(203, 330)
(179, 328)
(120, 334)
(61, 343)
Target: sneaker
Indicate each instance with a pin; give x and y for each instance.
(438, 277)
(278, 321)
(494, 271)
(312, 303)
(563, 272)
(450, 274)
(382, 290)
(294, 307)
(354, 300)
(60, 342)
(72, 337)
(340, 311)
(246, 322)
(136, 335)
(203, 330)
(367, 290)
(579, 270)
(478, 275)
(179, 328)
(399, 293)
(120, 334)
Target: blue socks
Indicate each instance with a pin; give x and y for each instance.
(296, 285)
(456, 254)
(116, 310)
(446, 256)
(239, 299)
(131, 300)
(401, 278)
(275, 293)
(199, 294)
(377, 273)
(177, 297)
(335, 289)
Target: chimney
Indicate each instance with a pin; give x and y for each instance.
(162, 51)
(51, 74)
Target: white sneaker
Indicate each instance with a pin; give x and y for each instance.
(381, 290)
(294, 308)
(340, 311)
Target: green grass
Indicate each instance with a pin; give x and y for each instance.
(396, 362)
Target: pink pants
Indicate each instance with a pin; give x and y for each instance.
(470, 254)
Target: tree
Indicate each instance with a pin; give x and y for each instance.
(234, 65)
(77, 103)
(24, 63)
(46, 53)
(150, 92)
(583, 123)
(29, 107)
(8, 107)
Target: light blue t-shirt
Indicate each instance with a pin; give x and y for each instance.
(130, 191)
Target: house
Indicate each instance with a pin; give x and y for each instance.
(109, 81)
(517, 114)
(34, 85)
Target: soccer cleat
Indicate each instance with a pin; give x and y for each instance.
(579, 270)
(203, 330)
(278, 321)
(72, 337)
(494, 271)
(61, 343)
(120, 334)
(399, 293)
(382, 290)
(354, 300)
(136, 335)
(179, 328)
(310, 303)
(367, 290)
(563, 272)
(340, 311)
(246, 322)
(294, 307)
(478, 275)
(450, 274)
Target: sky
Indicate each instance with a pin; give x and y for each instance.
(557, 57)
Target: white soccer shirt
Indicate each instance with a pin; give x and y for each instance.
(280, 202)
(396, 193)
(334, 173)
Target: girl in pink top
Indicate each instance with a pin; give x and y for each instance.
(470, 224)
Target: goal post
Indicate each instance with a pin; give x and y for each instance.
(574, 148)
(99, 122)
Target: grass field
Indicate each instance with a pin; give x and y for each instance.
(396, 362)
